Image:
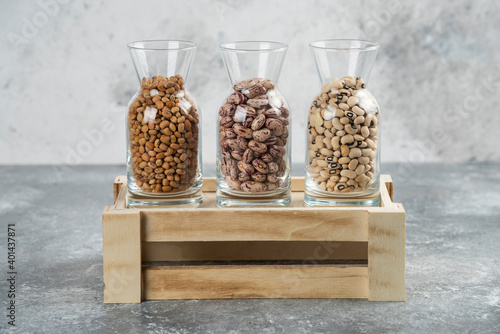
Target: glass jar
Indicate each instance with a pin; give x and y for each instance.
(163, 128)
(253, 159)
(343, 127)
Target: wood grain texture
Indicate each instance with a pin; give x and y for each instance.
(121, 256)
(297, 233)
(257, 224)
(119, 181)
(220, 282)
(121, 199)
(386, 256)
(253, 250)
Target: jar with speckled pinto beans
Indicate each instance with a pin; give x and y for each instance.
(253, 159)
(343, 129)
(163, 128)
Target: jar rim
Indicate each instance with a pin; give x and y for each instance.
(340, 45)
(253, 46)
(162, 45)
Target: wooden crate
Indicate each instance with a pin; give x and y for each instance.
(294, 252)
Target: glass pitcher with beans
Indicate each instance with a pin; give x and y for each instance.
(343, 129)
(253, 158)
(163, 128)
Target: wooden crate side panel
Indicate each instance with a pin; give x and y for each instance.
(255, 282)
(254, 250)
(386, 256)
(121, 235)
(255, 225)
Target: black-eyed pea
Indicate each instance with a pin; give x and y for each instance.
(367, 168)
(365, 132)
(335, 178)
(369, 175)
(373, 132)
(331, 159)
(352, 183)
(359, 120)
(351, 129)
(371, 143)
(366, 152)
(358, 137)
(349, 81)
(360, 169)
(326, 152)
(353, 164)
(344, 106)
(337, 125)
(344, 150)
(321, 163)
(340, 186)
(346, 93)
(334, 165)
(344, 160)
(355, 153)
(328, 143)
(347, 139)
(320, 129)
(330, 183)
(336, 154)
(336, 142)
(368, 119)
(358, 111)
(344, 179)
(329, 133)
(322, 185)
(339, 113)
(317, 169)
(345, 120)
(352, 101)
(349, 114)
(340, 133)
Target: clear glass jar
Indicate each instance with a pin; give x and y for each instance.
(343, 156)
(253, 159)
(163, 128)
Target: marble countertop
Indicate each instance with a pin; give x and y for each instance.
(453, 281)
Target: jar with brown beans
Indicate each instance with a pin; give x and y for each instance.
(163, 126)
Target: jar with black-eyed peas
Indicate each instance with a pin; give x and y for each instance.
(343, 150)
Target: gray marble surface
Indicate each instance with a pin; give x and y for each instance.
(66, 75)
(453, 272)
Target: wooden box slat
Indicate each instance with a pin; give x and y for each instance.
(255, 282)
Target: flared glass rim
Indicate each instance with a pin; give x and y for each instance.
(155, 45)
(339, 45)
(246, 46)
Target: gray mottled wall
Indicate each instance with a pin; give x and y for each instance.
(67, 75)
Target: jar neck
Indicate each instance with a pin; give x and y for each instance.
(165, 58)
(340, 58)
(246, 60)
